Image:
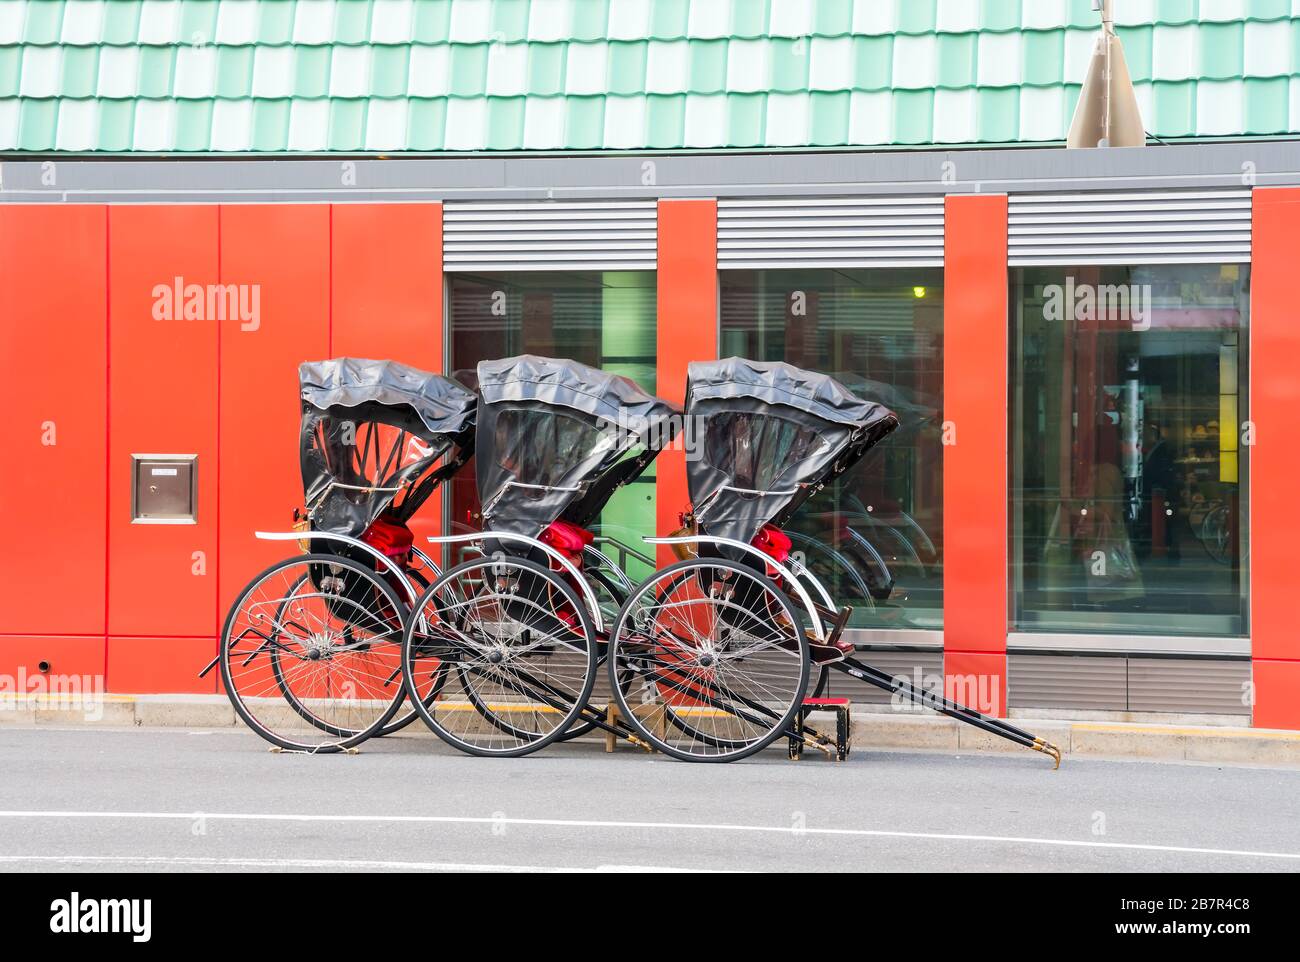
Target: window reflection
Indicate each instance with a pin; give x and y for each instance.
(880, 332)
(1128, 501)
(604, 319)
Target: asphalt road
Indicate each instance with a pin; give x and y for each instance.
(172, 800)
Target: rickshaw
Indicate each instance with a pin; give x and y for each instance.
(310, 653)
(502, 654)
(710, 659)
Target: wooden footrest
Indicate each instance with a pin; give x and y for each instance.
(840, 747)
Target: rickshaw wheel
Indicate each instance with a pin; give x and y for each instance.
(330, 652)
(519, 652)
(721, 657)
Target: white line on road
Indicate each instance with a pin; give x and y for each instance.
(659, 826)
(330, 864)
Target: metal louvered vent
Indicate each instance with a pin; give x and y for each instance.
(549, 236)
(1131, 227)
(831, 232)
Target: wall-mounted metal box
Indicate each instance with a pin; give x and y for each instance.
(164, 488)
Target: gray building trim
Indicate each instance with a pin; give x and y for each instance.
(733, 174)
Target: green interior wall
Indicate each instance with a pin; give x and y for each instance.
(628, 332)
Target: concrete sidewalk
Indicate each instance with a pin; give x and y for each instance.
(1176, 740)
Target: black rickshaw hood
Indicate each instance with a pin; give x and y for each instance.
(444, 407)
(776, 382)
(554, 437)
(376, 438)
(567, 383)
(799, 428)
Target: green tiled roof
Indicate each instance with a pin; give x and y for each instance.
(468, 75)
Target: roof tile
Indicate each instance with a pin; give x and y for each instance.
(43, 26)
(275, 27)
(155, 125)
(116, 124)
(390, 23)
(78, 125)
(83, 22)
(156, 67)
(668, 19)
(309, 124)
(11, 62)
(347, 121)
(505, 122)
(624, 122)
(270, 125)
(351, 26)
(13, 16)
(234, 75)
(665, 120)
(194, 125)
(119, 72)
(746, 114)
(432, 23)
(388, 71)
(80, 72)
(313, 22)
(237, 22)
(630, 20)
(426, 118)
(198, 23)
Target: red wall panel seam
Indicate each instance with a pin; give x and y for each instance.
(216, 545)
(329, 280)
(108, 416)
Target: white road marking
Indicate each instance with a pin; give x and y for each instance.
(659, 826)
(330, 864)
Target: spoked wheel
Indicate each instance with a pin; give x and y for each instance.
(311, 653)
(514, 650)
(718, 657)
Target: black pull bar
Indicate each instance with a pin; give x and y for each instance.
(994, 726)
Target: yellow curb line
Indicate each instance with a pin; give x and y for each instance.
(1193, 732)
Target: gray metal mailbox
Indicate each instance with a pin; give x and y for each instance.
(164, 488)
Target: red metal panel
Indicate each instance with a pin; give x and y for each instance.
(21, 657)
(387, 294)
(975, 455)
(977, 681)
(284, 249)
(687, 301)
(53, 384)
(160, 666)
(162, 400)
(1277, 693)
(1275, 458)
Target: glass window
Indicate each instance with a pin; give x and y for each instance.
(605, 319)
(1128, 479)
(880, 332)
